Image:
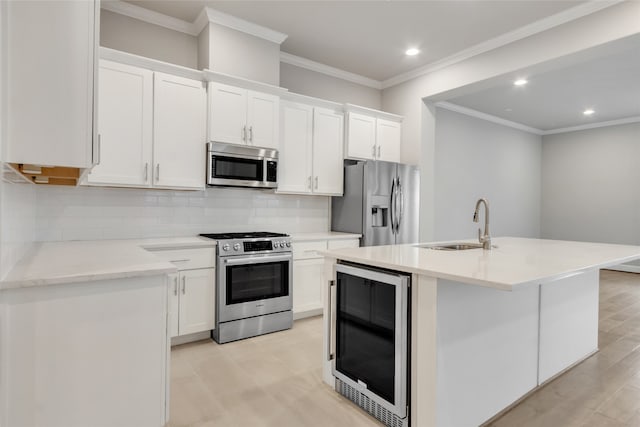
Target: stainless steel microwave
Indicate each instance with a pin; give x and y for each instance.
(241, 166)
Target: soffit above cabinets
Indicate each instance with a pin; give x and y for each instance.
(369, 38)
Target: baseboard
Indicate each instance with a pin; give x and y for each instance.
(297, 315)
(183, 339)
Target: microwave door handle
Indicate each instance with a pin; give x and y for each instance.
(258, 259)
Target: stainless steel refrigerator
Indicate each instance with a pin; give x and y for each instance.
(381, 202)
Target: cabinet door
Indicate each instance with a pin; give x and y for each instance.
(174, 308)
(294, 166)
(388, 135)
(328, 134)
(179, 127)
(308, 276)
(263, 123)
(49, 60)
(197, 300)
(361, 136)
(125, 125)
(227, 113)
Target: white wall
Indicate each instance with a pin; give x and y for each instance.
(475, 158)
(590, 185)
(86, 213)
(312, 83)
(153, 41)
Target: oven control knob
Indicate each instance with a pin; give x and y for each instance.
(236, 247)
(225, 247)
(276, 244)
(288, 244)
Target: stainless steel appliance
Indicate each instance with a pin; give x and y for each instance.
(369, 347)
(253, 284)
(380, 202)
(241, 166)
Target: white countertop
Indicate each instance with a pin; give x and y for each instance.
(325, 235)
(51, 263)
(515, 262)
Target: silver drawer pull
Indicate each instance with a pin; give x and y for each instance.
(184, 285)
(180, 260)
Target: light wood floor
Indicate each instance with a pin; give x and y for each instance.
(275, 379)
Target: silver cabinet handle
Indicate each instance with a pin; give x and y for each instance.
(175, 285)
(251, 133)
(378, 151)
(309, 183)
(146, 172)
(244, 133)
(316, 182)
(158, 172)
(374, 151)
(184, 285)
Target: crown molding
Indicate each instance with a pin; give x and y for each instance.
(149, 16)
(505, 39)
(308, 64)
(211, 15)
(488, 117)
(625, 121)
(194, 28)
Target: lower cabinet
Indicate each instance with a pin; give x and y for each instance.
(192, 301)
(308, 274)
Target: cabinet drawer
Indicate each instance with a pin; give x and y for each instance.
(307, 250)
(337, 244)
(188, 259)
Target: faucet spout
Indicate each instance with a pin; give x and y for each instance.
(484, 238)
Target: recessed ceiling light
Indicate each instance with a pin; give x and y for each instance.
(520, 82)
(412, 51)
(588, 112)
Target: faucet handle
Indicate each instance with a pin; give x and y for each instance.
(480, 236)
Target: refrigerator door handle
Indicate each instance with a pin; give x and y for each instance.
(401, 200)
(392, 205)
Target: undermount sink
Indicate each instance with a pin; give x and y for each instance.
(453, 246)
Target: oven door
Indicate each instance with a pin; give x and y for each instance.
(371, 335)
(253, 285)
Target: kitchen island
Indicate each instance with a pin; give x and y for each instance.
(489, 327)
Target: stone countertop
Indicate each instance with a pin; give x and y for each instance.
(514, 263)
(51, 263)
(325, 235)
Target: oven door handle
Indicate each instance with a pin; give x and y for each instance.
(258, 259)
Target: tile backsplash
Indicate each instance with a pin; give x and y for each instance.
(88, 213)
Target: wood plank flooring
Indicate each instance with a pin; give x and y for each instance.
(275, 379)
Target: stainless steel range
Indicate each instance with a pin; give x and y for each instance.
(253, 284)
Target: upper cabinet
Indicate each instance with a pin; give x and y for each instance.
(152, 127)
(310, 158)
(50, 59)
(242, 116)
(373, 135)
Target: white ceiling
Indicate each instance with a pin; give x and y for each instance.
(608, 83)
(369, 37)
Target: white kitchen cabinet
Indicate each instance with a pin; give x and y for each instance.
(310, 159)
(371, 137)
(191, 290)
(179, 130)
(308, 274)
(50, 59)
(125, 126)
(153, 129)
(388, 134)
(244, 117)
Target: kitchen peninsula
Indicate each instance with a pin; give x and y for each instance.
(490, 326)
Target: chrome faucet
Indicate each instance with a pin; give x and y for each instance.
(485, 238)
